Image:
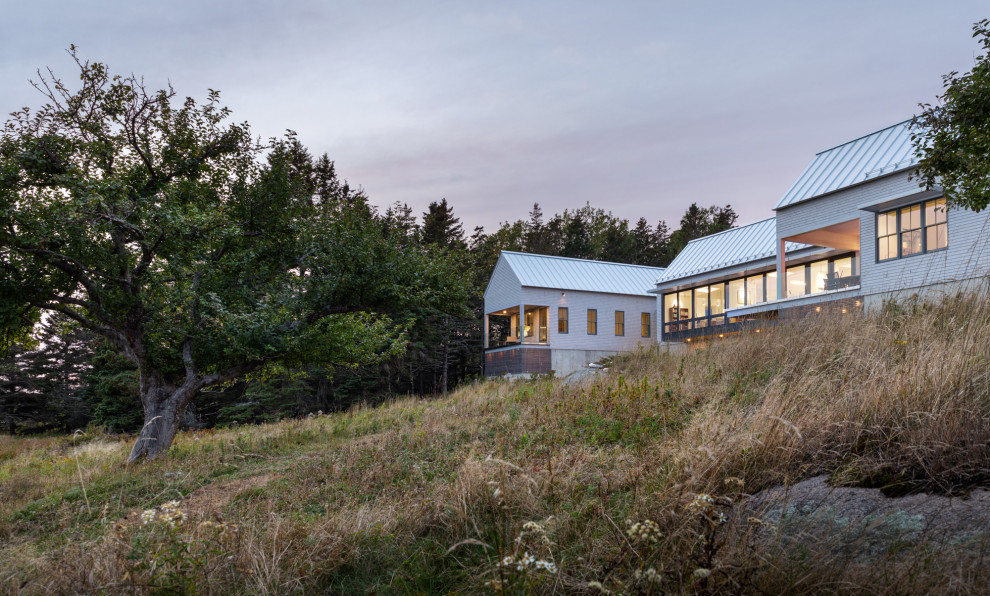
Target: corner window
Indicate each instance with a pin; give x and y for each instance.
(592, 321)
(562, 320)
(912, 230)
(644, 326)
(620, 322)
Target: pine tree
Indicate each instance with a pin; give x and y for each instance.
(441, 228)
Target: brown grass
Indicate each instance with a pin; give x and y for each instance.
(375, 499)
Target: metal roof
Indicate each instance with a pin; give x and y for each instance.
(563, 273)
(872, 156)
(732, 247)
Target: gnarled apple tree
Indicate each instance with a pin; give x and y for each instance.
(201, 254)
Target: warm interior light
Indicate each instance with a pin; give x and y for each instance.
(772, 274)
(703, 289)
(721, 335)
(688, 339)
(844, 311)
(818, 309)
(757, 330)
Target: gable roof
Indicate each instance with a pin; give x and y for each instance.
(732, 247)
(874, 155)
(563, 273)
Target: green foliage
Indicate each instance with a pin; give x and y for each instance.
(198, 253)
(953, 136)
(110, 387)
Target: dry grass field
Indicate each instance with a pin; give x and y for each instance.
(620, 484)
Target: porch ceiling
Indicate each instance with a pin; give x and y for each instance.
(843, 236)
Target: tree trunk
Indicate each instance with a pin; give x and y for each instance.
(163, 407)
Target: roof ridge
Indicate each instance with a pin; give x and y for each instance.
(533, 254)
(861, 137)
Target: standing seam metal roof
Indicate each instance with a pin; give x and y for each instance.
(545, 271)
(874, 155)
(731, 247)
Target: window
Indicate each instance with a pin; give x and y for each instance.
(701, 301)
(771, 286)
(529, 324)
(887, 236)
(562, 320)
(737, 293)
(644, 326)
(936, 231)
(819, 276)
(620, 322)
(716, 299)
(912, 230)
(544, 314)
(592, 321)
(796, 285)
(754, 289)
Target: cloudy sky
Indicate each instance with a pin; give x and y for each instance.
(639, 107)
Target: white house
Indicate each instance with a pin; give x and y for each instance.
(573, 312)
(854, 230)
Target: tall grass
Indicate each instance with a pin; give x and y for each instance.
(429, 496)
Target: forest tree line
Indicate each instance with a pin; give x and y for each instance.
(65, 377)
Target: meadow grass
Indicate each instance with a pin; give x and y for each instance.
(616, 484)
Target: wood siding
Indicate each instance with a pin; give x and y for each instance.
(578, 304)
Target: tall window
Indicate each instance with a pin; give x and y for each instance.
(737, 293)
(644, 325)
(562, 320)
(620, 322)
(912, 230)
(592, 321)
(754, 289)
(818, 275)
(936, 230)
(796, 283)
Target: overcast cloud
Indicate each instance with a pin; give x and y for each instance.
(637, 107)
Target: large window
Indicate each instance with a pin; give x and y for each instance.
(716, 300)
(705, 305)
(818, 277)
(644, 325)
(592, 321)
(562, 319)
(620, 322)
(912, 230)
(737, 293)
(754, 289)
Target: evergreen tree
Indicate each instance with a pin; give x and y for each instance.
(576, 242)
(441, 228)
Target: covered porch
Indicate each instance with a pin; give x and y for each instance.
(822, 275)
(505, 327)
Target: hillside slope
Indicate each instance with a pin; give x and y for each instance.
(621, 483)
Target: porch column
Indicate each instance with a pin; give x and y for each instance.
(486, 331)
(522, 323)
(781, 271)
